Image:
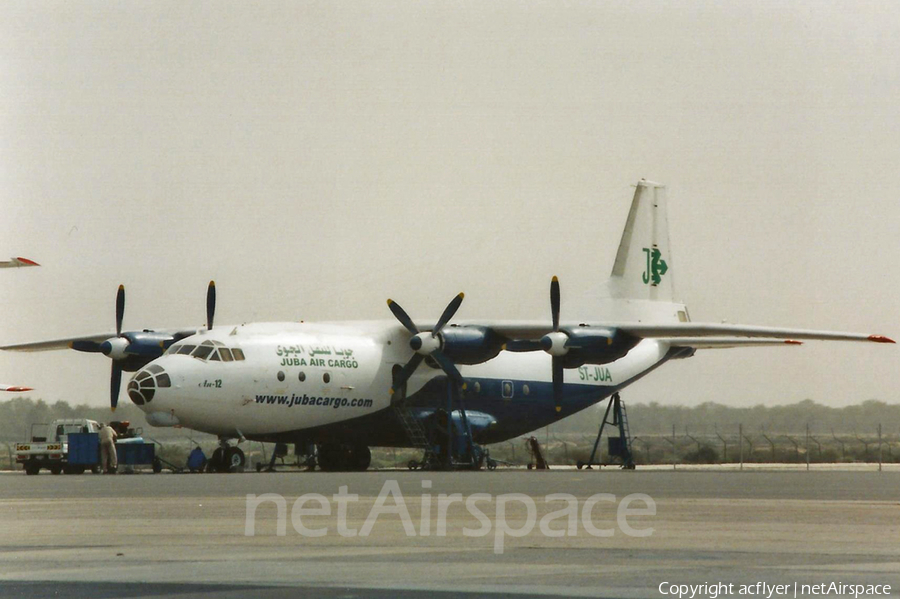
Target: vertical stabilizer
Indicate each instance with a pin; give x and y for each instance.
(643, 268)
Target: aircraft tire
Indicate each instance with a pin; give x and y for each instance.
(234, 460)
(362, 457)
(330, 458)
(333, 457)
(216, 461)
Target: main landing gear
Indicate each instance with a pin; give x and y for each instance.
(336, 457)
(226, 458)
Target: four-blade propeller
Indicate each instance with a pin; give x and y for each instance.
(142, 346)
(427, 344)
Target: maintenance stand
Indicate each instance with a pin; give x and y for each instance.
(619, 447)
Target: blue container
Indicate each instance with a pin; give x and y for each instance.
(132, 454)
(84, 449)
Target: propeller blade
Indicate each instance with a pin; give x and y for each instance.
(448, 367)
(523, 345)
(554, 302)
(120, 309)
(115, 383)
(402, 316)
(210, 304)
(558, 382)
(406, 372)
(449, 311)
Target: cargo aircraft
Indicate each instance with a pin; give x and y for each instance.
(343, 387)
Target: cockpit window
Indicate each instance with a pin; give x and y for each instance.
(214, 351)
(202, 351)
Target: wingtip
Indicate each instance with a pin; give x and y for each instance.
(26, 261)
(18, 389)
(880, 339)
(390, 301)
(792, 342)
(555, 279)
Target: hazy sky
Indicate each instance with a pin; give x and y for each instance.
(317, 158)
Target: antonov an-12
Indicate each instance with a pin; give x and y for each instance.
(341, 388)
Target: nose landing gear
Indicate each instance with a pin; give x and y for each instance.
(226, 458)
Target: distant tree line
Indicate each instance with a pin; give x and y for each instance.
(18, 413)
(708, 418)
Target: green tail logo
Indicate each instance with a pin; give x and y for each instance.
(656, 266)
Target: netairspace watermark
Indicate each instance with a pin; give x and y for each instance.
(391, 502)
(712, 590)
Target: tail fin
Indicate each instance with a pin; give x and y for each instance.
(643, 268)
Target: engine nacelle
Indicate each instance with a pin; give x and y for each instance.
(594, 345)
(137, 348)
(148, 344)
(470, 344)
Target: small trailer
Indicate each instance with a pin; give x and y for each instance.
(50, 450)
(75, 448)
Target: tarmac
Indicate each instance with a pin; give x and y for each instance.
(190, 535)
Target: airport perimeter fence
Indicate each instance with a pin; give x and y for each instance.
(734, 447)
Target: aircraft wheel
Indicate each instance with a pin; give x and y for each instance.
(579, 464)
(412, 465)
(216, 460)
(362, 457)
(491, 464)
(157, 466)
(333, 458)
(234, 460)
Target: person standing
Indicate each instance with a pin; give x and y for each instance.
(108, 461)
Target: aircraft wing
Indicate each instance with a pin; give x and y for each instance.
(17, 262)
(13, 389)
(724, 342)
(89, 343)
(67, 343)
(683, 330)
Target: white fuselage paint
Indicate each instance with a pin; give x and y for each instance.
(249, 398)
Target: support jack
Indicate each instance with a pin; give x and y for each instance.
(619, 447)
